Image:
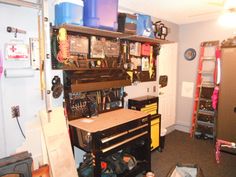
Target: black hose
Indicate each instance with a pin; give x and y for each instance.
(20, 127)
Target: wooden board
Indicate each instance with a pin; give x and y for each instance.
(58, 143)
(107, 120)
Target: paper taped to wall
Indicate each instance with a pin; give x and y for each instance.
(187, 89)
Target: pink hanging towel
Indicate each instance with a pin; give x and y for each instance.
(214, 97)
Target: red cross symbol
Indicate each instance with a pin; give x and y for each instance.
(13, 49)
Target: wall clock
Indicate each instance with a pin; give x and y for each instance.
(190, 54)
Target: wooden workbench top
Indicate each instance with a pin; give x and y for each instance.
(107, 120)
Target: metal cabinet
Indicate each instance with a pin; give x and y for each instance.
(149, 104)
(226, 120)
(129, 130)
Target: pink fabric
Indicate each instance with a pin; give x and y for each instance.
(214, 97)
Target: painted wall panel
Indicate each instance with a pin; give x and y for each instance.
(24, 92)
(190, 36)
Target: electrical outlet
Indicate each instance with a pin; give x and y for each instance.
(154, 89)
(15, 111)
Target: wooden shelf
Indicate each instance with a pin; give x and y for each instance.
(90, 31)
(146, 39)
(81, 87)
(113, 34)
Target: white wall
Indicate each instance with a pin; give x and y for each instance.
(191, 35)
(24, 92)
(2, 132)
(141, 89)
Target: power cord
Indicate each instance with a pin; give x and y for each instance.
(15, 110)
(20, 127)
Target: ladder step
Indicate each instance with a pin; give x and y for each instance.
(209, 124)
(206, 135)
(206, 72)
(208, 84)
(205, 99)
(209, 113)
(208, 58)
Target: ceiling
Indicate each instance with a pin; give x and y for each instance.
(176, 11)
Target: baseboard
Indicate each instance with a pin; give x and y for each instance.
(170, 129)
(182, 127)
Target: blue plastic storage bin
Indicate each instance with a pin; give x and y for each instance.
(101, 14)
(69, 12)
(144, 26)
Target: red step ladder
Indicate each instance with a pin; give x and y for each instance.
(202, 74)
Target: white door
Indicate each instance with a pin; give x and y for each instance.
(167, 65)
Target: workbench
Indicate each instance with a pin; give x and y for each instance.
(111, 132)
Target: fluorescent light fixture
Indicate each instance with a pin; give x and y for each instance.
(230, 4)
(228, 19)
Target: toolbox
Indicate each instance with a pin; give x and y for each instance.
(69, 12)
(127, 23)
(96, 12)
(149, 104)
(129, 132)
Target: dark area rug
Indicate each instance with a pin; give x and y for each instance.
(181, 148)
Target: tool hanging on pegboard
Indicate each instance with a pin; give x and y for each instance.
(160, 30)
(15, 30)
(57, 87)
(63, 54)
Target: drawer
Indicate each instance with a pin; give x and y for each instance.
(155, 121)
(140, 102)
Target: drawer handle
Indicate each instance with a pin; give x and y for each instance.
(234, 109)
(123, 142)
(104, 140)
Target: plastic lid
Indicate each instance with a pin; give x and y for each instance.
(77, 2)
